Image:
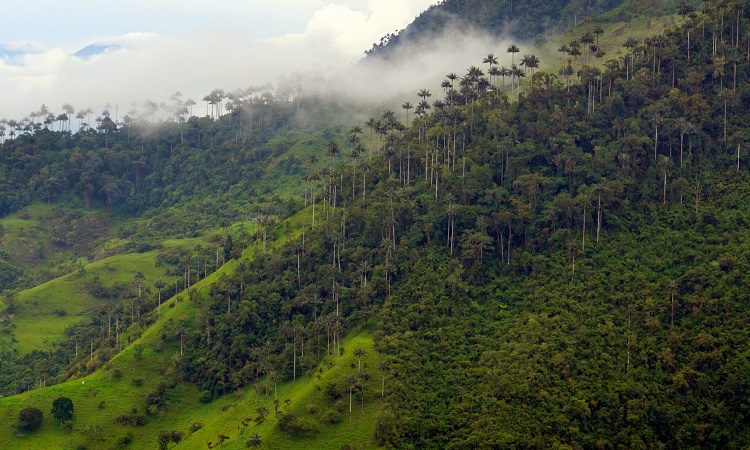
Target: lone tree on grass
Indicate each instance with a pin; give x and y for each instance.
(165, 437)
(255, 441)
(30, 418)
(62, 409)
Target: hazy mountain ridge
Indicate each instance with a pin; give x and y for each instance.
(521, 20)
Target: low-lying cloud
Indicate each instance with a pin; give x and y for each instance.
(140, 66)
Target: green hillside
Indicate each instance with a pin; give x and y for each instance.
(549, 258)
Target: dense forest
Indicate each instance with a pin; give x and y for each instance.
(522, 20)
(552, 260)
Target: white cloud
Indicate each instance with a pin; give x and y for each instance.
(213, 48)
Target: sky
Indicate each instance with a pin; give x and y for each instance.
(158, 47)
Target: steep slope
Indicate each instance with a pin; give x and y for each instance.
(560, 267)
(138, 393)
(523, 20)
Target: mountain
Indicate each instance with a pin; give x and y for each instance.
(536, 260)
(95, 49)
(521, 20)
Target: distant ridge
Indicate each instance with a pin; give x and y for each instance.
(523, 20)
(95, 49)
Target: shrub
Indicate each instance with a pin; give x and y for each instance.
(195, 427)
(332, 390)
(30, 418)
(332, 416)
(261, 417)
(205, 396)
(124, 440)
(296, 426)
(131, 419)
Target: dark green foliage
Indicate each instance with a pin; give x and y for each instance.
(544, 272)
(205, 396)
(332, 416)
(262, 413)
(157, 399)
(296, 425)
(228, 246)
(62, 409)
(123, 441)
(522, 19)
(133, 419)
(8, 275)
(332, 390)
(30, 418)
(166, 437)
(255, 441)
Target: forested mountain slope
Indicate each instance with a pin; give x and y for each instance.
(558, 266)
(521, 20)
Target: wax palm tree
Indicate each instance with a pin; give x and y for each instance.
(494, 73)
(452, 77)
(598, 31)
(159, 285)
(530, 62)
(674, 289)
(359, 352)
(254, 441)
(685, 128)
(630, 44)
(587, 39)
(407, 106)
(504, 72)
(513, 49)
(350, 382)
(383, 367)
(564, 49)
(490, 59)
(424, 94)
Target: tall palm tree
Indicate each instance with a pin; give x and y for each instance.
(685, 128)
(159, 285)
(350, 383)
(673, 287)
(407, 106)
(452, 77)
(359, 352)
(587, 39)
(424, 93)
(513, 49)
(598, 31)
(504, 72)
(630, 44)
(490, 59)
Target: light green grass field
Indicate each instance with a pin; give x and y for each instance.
(101, 397)
(45, 311)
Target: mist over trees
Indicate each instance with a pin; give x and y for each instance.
(546, 258)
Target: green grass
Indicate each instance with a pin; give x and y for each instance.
(45, 311)
(615, 35)
(100, 398)
(306, 399)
